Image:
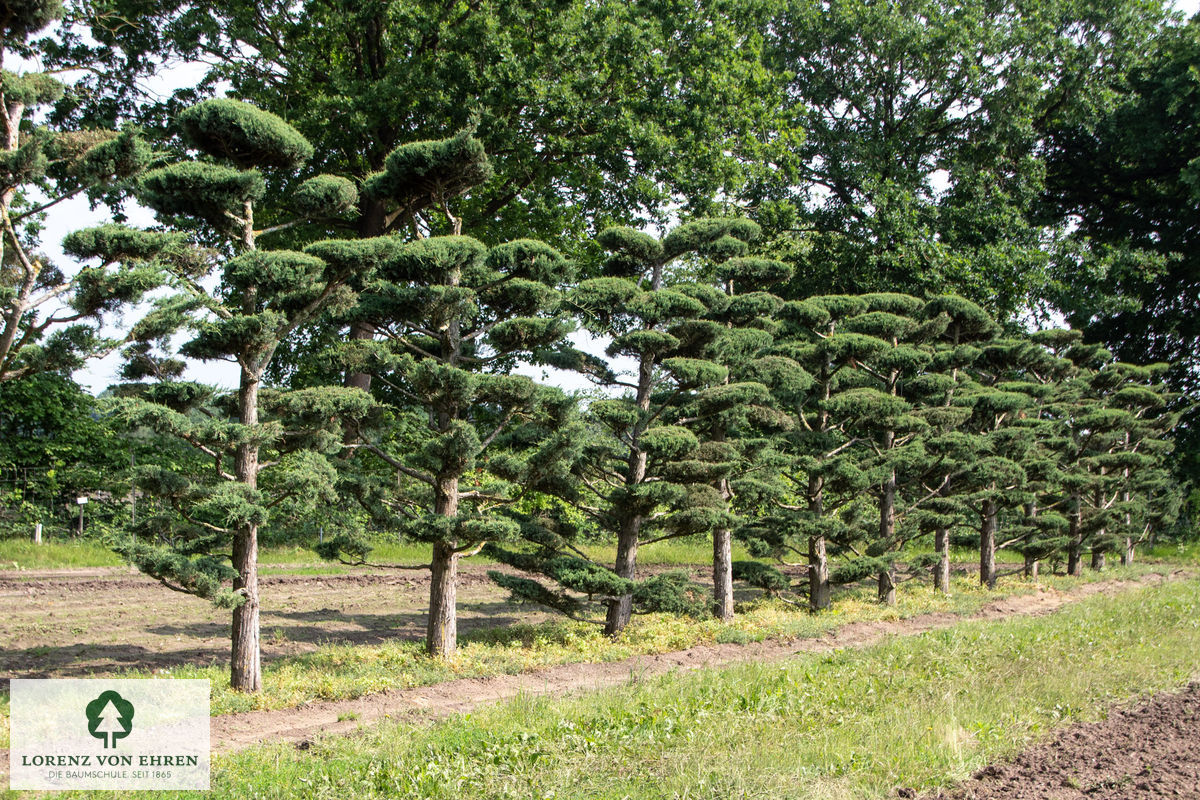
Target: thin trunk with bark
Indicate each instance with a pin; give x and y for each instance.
(887, 527)
(723, 574)
(1075, 545)
(245, 672)
(819, 592)
(630, 525)
(941, 570)
(1127, 551)
(819, 595)
(1031, 561)
(1127, 555)
(621, 609)
(1098, 550)
(987, 545)
(722, 550)
(441, 631)
(887, 586)
(1031, 568)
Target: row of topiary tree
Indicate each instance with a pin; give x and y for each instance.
(839, 428)
(832, 431)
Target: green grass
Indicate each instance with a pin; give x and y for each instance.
(24, 554)
(1184, 553)
(300, 560)
(918, 712)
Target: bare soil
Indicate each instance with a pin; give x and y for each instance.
(1147, 750)
(75, 623)
(427, 703)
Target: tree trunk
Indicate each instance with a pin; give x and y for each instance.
(1031, 563)
(987, 545)
(818, 575)
(1098, 560)
(722, 551)
(887, 533)
(245, 664)
(620, 611)
(441, 633)
(372, 222)
(1075, 546)
(941, 570)
(819, 595)
(1127, 552)
(1031, 568)
(887, 586)
(722, 574)
(630, 527)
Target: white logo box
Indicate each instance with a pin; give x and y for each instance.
(138, 734)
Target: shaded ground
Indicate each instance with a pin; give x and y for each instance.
(232, 732)
(76, 623)
(1148, 750)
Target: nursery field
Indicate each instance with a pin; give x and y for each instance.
(886, 708)
(445, 399)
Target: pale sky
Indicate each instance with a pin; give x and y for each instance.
(75, 214)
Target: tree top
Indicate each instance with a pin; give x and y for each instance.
(243, 135)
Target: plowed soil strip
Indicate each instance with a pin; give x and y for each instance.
(1151, 749)
(234, 732)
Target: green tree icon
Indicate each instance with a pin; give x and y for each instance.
(110, 717)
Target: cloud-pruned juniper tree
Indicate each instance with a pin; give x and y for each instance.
(49, 317)
(999, 399)
(639, 477)
(889, 424)
(1082, 432)
(449, 318)
(734, 420)
(264, 447)
(1137, 400)
(954, 351)
(801, 504)
(1040, 531)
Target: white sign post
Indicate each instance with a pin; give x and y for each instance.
(82, 501)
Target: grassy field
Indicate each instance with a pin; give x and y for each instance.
(24, 554)
(16, 554)
(915, 712)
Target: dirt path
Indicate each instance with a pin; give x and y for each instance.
(237, 731)
(1147, 750)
